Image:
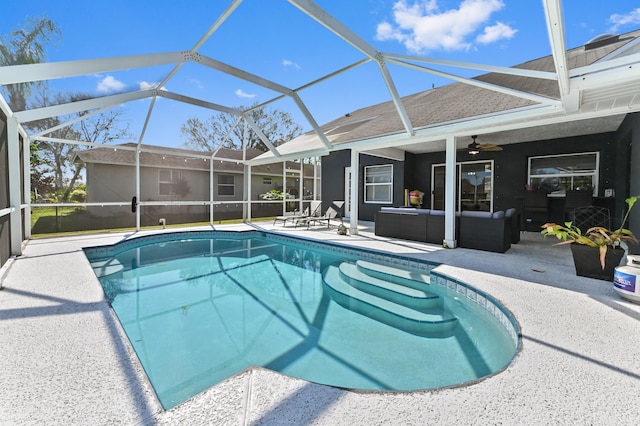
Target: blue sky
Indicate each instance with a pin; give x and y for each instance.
(275, 40)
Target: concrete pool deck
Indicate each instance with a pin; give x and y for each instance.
(65, 359)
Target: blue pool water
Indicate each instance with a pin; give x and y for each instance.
(201, 307)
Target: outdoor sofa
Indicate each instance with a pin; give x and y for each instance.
(489, 231)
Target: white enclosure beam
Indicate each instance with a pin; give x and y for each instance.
(241, 74)
(450, 195)
(146, 121)
(555, 27)
(522, 72)
(73, 121)
(67, 141)
(482, 84)
(624, 62)
(261, 135)
(395, 96)
(312, 121)
(85, 105)
(336, 27)
(212, 29)
(197, 102)
(263, 82)
(54, 70)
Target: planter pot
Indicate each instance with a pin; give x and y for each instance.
(587, 261)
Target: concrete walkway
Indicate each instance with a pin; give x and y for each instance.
(65, 359)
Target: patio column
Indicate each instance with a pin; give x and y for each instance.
(15, 216)
(450, 194)
(211, 190)
(138, 188)
(315, 178)
(247, 176)
(355, 174)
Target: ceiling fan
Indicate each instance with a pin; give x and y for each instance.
(475, 147)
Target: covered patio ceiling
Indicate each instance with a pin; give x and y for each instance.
(602, 92)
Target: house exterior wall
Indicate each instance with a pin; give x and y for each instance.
(333, 184)
(510, 169)
(116, 183)
(629, 135)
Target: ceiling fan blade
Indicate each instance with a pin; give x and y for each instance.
(489, 147)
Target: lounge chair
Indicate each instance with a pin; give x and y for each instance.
(294, 217)
(332, 213)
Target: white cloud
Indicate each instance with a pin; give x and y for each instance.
(144, 85)
(496, 32)
(290, 64)
(110, 85)
(618, 21)
(196, 83)
(421, 26)
(241, 94)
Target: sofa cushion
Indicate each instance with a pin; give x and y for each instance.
(403, 210)
(498, 215)
(475, 213)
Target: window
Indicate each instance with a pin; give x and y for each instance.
(378, 184)
(167, 180)
(266, 181)
(226, 185)
(564, 172)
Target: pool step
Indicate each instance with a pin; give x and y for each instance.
(406, 277)
(435, 321)
(409, 296)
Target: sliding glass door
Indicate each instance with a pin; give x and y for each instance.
(474, 186)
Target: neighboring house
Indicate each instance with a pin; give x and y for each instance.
(601, 153)
(170, 175)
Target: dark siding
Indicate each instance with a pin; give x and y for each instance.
(511, 164)
(333, 180)
(510, 169)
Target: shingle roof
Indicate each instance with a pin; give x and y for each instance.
(454, 101)
(181, 158)
(176, 158)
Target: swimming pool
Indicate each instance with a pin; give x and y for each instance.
(201, 306)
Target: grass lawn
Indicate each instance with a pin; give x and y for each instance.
(57, 221)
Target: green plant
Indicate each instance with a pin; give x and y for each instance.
(274, 194)
(597, 236)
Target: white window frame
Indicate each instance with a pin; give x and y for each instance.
(459, 181)
(389, 184)
(174, 176)
(225, 185)
(594, 173)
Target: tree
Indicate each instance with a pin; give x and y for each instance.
(41, 179)
(26, 46)
(278, 126)
(104, 128)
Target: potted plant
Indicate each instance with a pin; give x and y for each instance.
(598, 251)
